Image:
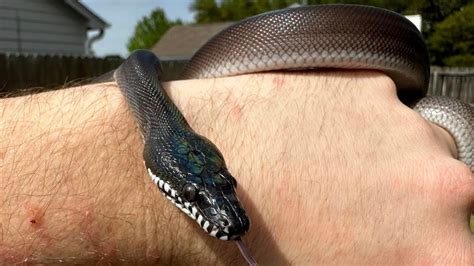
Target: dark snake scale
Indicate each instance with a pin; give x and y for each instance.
(190, 171)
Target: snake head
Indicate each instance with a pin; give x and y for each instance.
(190, 171)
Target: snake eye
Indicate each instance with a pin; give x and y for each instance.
(189, 192)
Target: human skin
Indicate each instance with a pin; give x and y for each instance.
(332, 169)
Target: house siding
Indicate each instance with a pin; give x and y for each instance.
(41, 27)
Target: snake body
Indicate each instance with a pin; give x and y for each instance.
(190, 171)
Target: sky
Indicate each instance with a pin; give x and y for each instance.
(123, 15)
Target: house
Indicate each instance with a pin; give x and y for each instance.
(48, 27)
(181, 42)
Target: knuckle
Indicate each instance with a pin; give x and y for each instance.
(455, 180)
(414, 123)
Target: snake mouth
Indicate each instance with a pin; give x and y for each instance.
(188, 208)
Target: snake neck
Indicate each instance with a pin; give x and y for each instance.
(151, 106)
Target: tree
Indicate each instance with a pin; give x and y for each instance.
(453, 39)
(233, 10)
(150, 29)
(433, 12)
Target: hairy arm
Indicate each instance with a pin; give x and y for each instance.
(331, 163)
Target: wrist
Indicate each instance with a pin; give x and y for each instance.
(73, 179)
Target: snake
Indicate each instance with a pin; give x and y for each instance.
(190, 171)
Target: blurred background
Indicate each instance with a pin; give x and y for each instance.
(48, 44)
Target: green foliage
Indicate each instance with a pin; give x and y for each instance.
(233, 10)
(149, 30)
(460, 60)
(452, 41)
(434, 11)
(397, 6)
(206, 11)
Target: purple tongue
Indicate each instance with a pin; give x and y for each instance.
(245, 252)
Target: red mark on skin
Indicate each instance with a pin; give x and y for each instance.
(236, 111)
(35, 220)
(278, 82)
(35, 216)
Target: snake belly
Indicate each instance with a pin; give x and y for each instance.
(190, 171)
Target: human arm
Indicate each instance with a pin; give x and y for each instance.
(331, 157)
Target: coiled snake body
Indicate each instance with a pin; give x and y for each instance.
(190, 171)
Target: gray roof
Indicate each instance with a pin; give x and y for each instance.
(181, 42)
(93, 20)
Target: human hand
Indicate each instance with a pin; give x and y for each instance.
(336, 170)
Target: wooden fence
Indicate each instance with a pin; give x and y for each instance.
(19, 73)
(452, 82)
(26, 73)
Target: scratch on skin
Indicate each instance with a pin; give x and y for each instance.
(104, 248)
(235, 111)
(10, 255)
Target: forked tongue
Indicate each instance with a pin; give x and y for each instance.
(245, 252)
